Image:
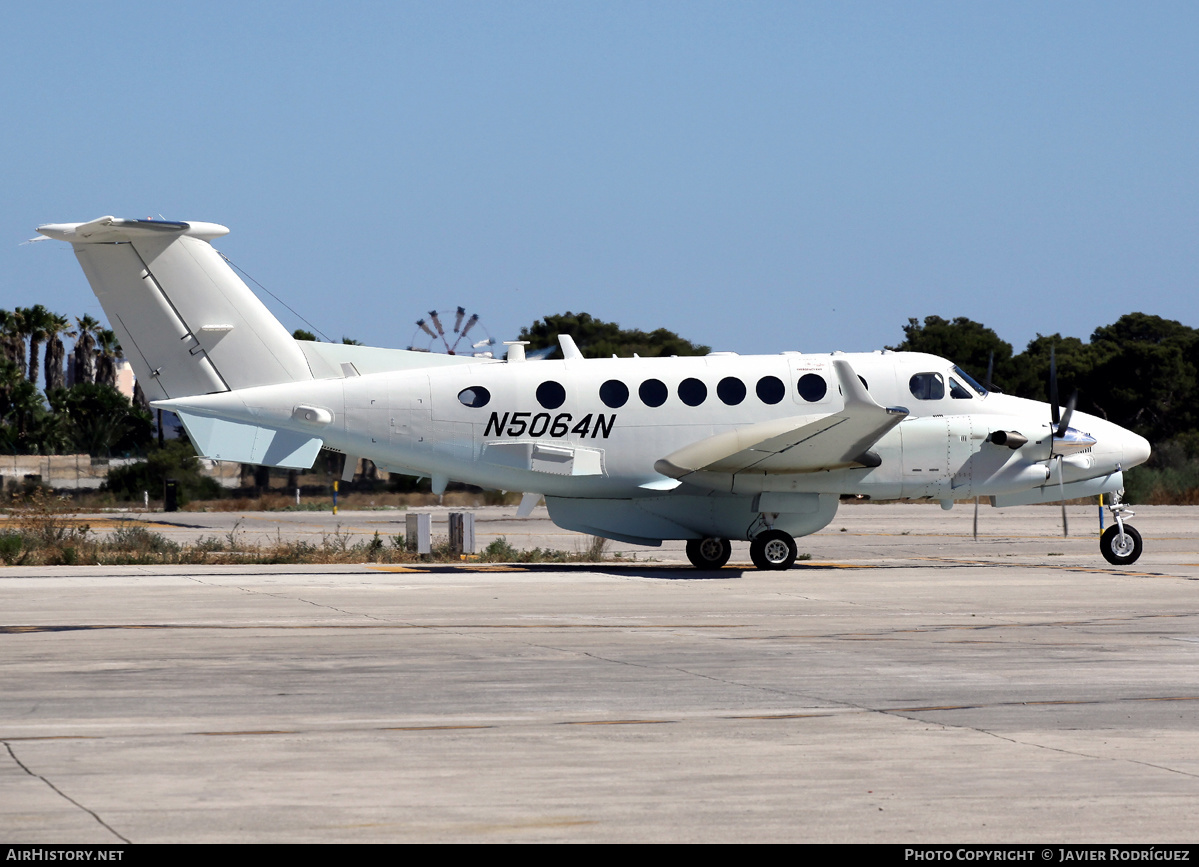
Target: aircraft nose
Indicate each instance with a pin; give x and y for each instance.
(1136, 450)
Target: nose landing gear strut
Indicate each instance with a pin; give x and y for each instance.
(1120, 544)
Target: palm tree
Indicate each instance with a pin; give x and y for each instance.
(107, 352)
(20, 407)
(57, 327)
(85, 346)
(4, 353)
(14, 337)
(37, 326)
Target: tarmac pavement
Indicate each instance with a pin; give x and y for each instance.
(907, 684)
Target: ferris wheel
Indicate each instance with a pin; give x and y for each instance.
(468, 336)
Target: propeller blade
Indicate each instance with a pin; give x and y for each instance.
(976, 519)
(1061, 487)
(1065, 423)
(990, 370)
(1053, 410)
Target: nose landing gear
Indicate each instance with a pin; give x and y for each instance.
(1120, 545)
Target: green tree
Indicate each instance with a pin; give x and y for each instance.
(598, 339)
(21, 410)
(12, 336)
(108, 350)
(967, 343)
(101, 421)
(38, 321)
(1075, 362)
(1145, 375)
(57, 327)
(85, 345)
(175, 459)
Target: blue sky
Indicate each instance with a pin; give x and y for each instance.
(754, 176)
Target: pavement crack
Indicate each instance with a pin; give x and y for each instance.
(195, 579)
(1064, 751)
(789, 693)
(65, 796)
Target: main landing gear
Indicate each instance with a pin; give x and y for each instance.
(773, 549)
(770, 549)
(1120, 543)
(709, 553)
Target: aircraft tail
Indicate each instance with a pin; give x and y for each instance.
(186, 321)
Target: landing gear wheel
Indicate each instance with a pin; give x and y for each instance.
(709, 553)
(773, 549)
(1121, 549)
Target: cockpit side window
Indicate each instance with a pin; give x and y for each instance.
(969, 380)
(957, 392)
(927, 386)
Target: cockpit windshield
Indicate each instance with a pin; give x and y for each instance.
(969, 380)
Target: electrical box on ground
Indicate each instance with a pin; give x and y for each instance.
(462, 532)
(418, 537)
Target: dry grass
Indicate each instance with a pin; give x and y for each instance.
(270, 502)
(45, 531)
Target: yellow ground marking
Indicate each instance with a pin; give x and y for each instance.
(98, 524)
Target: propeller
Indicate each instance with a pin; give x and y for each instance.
(1058, 432)
(1062, 493)
(990, 387)
(1061, 424)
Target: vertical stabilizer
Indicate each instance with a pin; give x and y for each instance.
(186, 321)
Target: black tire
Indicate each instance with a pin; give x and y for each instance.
(773, 549)
(1121, 550)
(709, 553)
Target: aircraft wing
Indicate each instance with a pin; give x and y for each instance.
(795, 445)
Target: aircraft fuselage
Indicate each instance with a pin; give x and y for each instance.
(593, 429)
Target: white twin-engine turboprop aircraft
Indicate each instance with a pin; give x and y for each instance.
(637, 449)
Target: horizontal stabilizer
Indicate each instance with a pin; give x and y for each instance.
(795, 445)
(326, 359)
(250, 444)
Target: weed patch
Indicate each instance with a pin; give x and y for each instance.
(45, 531)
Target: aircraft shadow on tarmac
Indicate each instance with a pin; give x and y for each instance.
(667, 572)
